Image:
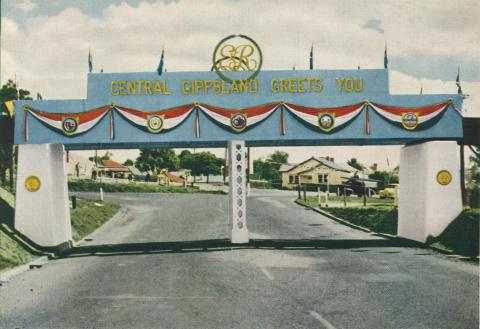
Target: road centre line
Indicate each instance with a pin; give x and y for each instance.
(267, 273)
(322, 320)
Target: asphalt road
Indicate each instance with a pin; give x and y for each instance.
(164, 263)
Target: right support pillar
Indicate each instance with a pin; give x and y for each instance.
(430, 191)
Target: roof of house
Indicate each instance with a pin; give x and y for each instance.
(114, 166)
(321, 161)
(134, 170)
(173, 178)
(286, 167)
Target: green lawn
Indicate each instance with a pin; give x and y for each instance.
(11, 254)
(90, 215)
(337, 201)
(461, 236)
(380, 215)
(87, 185)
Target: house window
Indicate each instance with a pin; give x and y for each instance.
(323, 178)
(308, 177)
(296, 179)
(290, 179)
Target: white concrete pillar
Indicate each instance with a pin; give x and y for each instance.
(237, 192)
(430, 195)
(42, 210)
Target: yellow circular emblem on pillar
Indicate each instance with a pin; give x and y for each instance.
(444, 177)
(32, 183)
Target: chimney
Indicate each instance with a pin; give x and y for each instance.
(331, 159)
(375, 167)
(327, 158)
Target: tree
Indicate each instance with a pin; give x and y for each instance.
(8, 92)
(128, 162)
(355, 164)
(203, 163)
(278, 157)
(156, 159)
(385, 178)
(98, 159)
(268, 169)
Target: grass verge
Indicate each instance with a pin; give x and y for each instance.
(461, 236)
(86, 185)
(89, 215)
(11, 253)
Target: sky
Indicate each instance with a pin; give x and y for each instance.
(45, 44)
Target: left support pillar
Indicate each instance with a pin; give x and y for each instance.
(42, 211)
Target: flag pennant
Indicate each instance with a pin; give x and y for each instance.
(311, 57)
(459, 86)
(160, 65)
(385, 58)
(158, 121)
(411, 118)
(90, 62)
(241, 119)
(69, 124)
(326, 119)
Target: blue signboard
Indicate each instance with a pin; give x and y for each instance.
(198, 109)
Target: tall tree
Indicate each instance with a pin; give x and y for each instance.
(355, 164)
(128, 162)
(203, 163)
(156, 159)
(268, 169)
(8, 92)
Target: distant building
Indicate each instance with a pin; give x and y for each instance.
(113, 169)
(317, 171)
(167, 178)
(78, 166)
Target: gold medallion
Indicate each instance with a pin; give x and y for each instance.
(32, 183)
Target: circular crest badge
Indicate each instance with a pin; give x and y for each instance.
(69, 125)
(32, 183)
(237, 53)
(238, 121)
(409, 120)
(155, 123)
(444, 177)
(326, 121)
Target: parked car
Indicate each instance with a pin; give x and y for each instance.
(358, 187)
(389, 191)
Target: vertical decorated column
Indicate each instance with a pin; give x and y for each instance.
(430, 195)
(237, 192)
(42, 211)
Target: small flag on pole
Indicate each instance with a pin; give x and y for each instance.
(90, 61)
(458, 82)
(160, 65)
(311, 57)
(385, 58)
(17, 91)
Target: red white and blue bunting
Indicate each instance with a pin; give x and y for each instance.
(69, 124)
(158, 121)
(411, 118)
(326, 119)
(238, 120)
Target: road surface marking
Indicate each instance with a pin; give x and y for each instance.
(268, 274)
(322, 320)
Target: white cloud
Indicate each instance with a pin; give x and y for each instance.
(26, 6)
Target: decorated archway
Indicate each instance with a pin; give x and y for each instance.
(274, 108)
